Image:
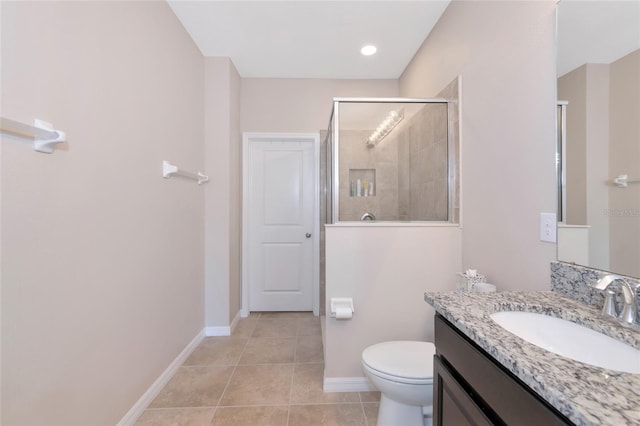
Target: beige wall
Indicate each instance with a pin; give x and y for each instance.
(223, 192)
(235, 202)
(102, 258)
(624, 158)
(301, 105)
(386, 270)
(571, 88)
(587, 152)
(597, 143)
(507, 69)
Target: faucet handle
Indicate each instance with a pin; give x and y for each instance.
(629, 311)
(604, 282)
(609, 308)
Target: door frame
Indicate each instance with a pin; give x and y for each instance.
(248, 137)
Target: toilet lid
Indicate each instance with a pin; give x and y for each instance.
(408, 359)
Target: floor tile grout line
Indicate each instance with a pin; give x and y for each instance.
(295, 351)
(180, 408)
(235, 366)
(300, 404)
(364, 413)
(275, 404)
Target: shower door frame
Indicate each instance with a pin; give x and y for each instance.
(335, 184)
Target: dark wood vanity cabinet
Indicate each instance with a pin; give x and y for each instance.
(471, 388)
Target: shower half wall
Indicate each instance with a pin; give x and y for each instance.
(386, 265)
(412, 173)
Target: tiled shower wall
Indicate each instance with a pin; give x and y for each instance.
(383, 158)
(411, 169)
(423, 186)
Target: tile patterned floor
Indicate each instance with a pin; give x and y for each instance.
(269, 372)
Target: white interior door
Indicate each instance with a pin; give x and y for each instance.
(280, 225)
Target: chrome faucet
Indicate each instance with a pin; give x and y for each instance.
(629, 312)
(367, 216)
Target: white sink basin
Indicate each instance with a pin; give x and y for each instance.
(570, 340)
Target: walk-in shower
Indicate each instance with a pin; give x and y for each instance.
(390, 159)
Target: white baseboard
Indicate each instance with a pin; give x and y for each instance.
(347, 384)
(146, 398)
(217, 331)
(222, 330)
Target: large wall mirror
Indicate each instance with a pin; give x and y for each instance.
(599, 134)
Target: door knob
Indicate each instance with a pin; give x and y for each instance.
(308, 235)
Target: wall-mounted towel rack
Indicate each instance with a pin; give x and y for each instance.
(169, 170)
(623, 180)
(43, 134)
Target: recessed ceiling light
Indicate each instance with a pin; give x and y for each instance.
(368, 50)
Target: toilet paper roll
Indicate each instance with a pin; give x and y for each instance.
(343, 313)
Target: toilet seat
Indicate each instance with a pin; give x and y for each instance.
(408, 362)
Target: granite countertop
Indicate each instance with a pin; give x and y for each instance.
(585, 394)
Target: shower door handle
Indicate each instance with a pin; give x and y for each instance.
(308, 235)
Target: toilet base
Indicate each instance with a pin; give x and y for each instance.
(394, 413)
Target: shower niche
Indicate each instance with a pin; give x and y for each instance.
(393, 158)
(362, 182)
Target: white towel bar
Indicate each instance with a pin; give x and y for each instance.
(43, 134)
(622, 181)
(169, 170)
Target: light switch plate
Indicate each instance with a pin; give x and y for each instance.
(548, 227)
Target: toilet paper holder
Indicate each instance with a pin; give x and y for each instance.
(340, 306)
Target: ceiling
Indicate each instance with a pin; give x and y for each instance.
(311, 39)
(597, 32)
(322, 39)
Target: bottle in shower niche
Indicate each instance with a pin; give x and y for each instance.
(359, 188)
(352, 189)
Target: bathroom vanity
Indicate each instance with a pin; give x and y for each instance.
(483, 374)
(469, 384)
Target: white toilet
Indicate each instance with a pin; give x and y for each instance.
(403, 373)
